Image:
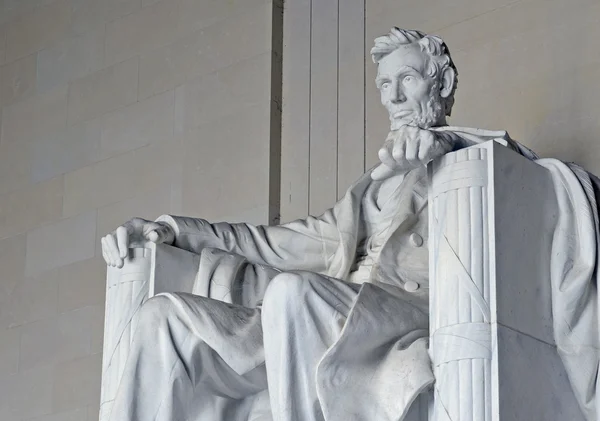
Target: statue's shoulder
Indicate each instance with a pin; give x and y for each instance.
(473, 134)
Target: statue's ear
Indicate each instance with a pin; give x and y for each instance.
(448, 78)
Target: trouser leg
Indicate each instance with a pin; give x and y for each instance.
(303, 314)
(191, 358)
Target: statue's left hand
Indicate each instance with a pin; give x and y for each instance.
(136, 232)
(407, 148)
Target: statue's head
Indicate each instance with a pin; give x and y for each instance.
(416, 78)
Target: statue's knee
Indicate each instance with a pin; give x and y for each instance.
(209, 252)
(284, 290)
(156, 311)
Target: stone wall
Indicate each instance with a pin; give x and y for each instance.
(111, 109)
(323, 121)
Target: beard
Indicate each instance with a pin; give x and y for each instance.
(431, 115)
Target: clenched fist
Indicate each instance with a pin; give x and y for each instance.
(136, 231)
(410, 147)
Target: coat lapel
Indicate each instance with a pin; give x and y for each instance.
(349, 216)
(413, 198)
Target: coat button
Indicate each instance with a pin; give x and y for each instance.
(411, 286)
(416, 240)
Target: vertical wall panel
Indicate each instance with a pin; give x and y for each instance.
(276, 113)
(296, 108)
(351, 93)
(323, 105)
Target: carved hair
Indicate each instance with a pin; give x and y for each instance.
(434, 46)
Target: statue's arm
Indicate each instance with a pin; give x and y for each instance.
(304, 244)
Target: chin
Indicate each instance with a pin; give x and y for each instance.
(396, 124)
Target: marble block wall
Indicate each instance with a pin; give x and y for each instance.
(526, 66)
(111, 109)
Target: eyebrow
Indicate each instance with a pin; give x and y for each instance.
(402, 69)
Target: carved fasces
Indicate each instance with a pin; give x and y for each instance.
(460, 296)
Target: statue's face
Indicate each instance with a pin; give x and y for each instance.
(410, 96)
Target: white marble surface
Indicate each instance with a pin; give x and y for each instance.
(532, 381)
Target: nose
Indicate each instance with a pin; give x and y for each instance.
(397, 93)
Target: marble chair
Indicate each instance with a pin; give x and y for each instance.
(492, 345)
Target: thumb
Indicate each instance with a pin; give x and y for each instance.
(381, 173)
(153, 236)
(160, 233)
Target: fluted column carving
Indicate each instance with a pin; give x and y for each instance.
(460, 296)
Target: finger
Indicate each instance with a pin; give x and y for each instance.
(401, 132)
(153, 236)
(137, 223)
(151, 232)
(381, 173)
(149, 227)
(113, 250)
(107, 252)
(412, 131)
(439, 148)
(412, 151)
(385, 156)
(426, 147)
(158, 232)
(122, 241)
(165, 234)
(399, 151)
(104, 251)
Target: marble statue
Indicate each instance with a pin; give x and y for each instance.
(327, 318)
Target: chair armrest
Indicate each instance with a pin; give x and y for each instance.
(492, 214)
(146, 271)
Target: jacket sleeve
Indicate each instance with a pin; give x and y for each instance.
(304, 244)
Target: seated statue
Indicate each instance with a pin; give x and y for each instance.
(324, 318)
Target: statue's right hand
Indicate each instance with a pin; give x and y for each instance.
(135, 231)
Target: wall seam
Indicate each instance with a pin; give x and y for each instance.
(337, 109)
(309, 105)
(364, 48)
(275, 117)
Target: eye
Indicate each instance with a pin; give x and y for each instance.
(408, 79)
(385, 85)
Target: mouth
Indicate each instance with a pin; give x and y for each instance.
(401, 114)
